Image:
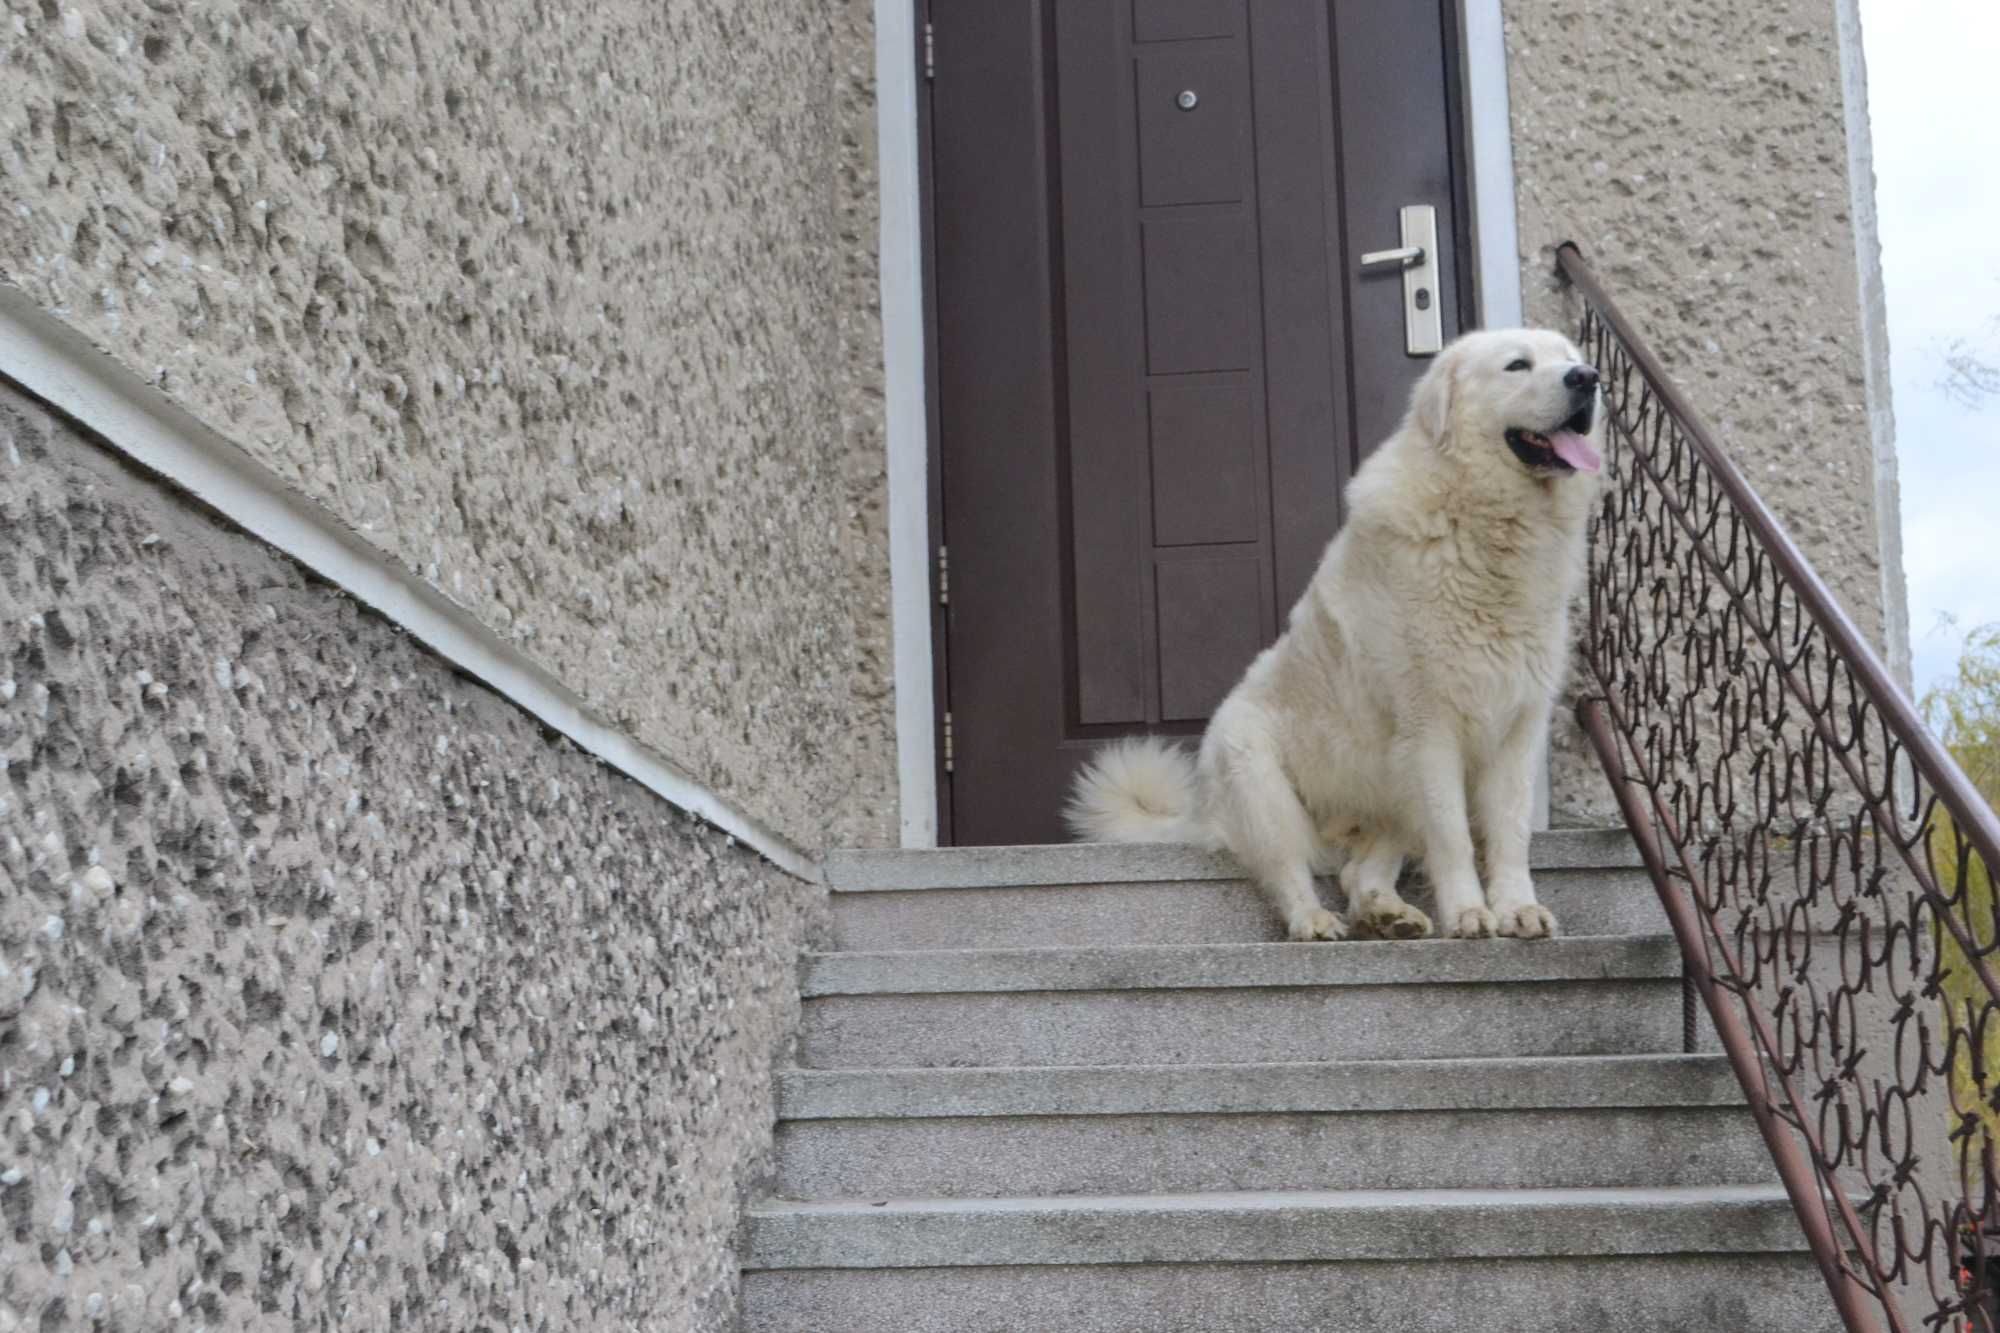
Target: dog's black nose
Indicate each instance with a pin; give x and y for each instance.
(1581, 377)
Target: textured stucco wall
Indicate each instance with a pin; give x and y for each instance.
(570, 308)
(332, 992)
(1697, 151)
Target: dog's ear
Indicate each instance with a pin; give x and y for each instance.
(1430, 404)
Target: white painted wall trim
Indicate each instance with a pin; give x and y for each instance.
(1496, 235)
(58, 365)
(903, 387)
(1874, 341)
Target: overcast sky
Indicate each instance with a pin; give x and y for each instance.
(1934, 97)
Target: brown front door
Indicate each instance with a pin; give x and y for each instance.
(1157, 360)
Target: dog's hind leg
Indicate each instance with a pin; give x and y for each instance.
(1262, 821)
(1374, 908)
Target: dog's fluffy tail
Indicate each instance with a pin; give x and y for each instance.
(1141, 789)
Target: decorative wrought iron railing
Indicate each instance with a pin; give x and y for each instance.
(1825, 864)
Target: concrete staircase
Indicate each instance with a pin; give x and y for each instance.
(1085, 1089)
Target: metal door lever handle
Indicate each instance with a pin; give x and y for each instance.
(1402, 257)
(1417, 257)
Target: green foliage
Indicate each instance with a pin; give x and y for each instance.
(1965, 713)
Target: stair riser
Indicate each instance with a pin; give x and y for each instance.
(1586, 902)
(1660, 1294)
(1240, 1025)
(991, 1156)
(1094, 863)
(1274, 1089)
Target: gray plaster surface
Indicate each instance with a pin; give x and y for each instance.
(571, 310)
(333, 994)
(1712, 1293)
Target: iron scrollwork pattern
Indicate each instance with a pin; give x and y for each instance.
(1831, 862)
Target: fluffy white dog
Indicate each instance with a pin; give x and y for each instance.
(1404, 709)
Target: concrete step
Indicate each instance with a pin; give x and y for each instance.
(1652, 1293)
(1097, 862)
(1292, 1226)
(1242, 1004)
(999, 897)
(1555, 1261)
(1563, 1122)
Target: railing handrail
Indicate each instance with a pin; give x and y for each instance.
(1975, 819)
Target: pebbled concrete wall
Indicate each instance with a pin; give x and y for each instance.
(1697, 150)
(332, 992)
(569, 308)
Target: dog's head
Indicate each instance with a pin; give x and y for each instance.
(1523, 399)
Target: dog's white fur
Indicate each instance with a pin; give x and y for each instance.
(1404, 709)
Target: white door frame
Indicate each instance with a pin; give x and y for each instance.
(1497, 270)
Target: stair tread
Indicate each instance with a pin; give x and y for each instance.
(1264, 1201)
(876, 870)
(1269, 1227)
(1635, 1293)
(1470, 1083)
(1230, 966)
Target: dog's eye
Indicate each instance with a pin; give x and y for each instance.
(1519, 365)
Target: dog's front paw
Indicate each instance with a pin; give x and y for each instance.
(1390, 918)
(1530, 921)
(1318, 924)
(1475, 923)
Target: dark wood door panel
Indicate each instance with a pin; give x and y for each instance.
(994, 278)
(1159, 228)
(1192, 155)
(1395, 134)
(1102, 350)
(1208, 487)
(1307, 392)
(1181, 20)
(1213, 619)
(1200, 292)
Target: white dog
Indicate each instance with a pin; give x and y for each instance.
(1407, 703)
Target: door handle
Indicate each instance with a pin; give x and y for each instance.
(1423, 323)
(1401, 258)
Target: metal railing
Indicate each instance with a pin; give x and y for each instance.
(1824, 863)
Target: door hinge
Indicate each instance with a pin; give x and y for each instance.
(930, 52)
(949, 750)
(944, 577)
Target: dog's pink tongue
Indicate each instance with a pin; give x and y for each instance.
(1576, 451)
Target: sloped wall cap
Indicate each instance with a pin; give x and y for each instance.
(58, 365)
